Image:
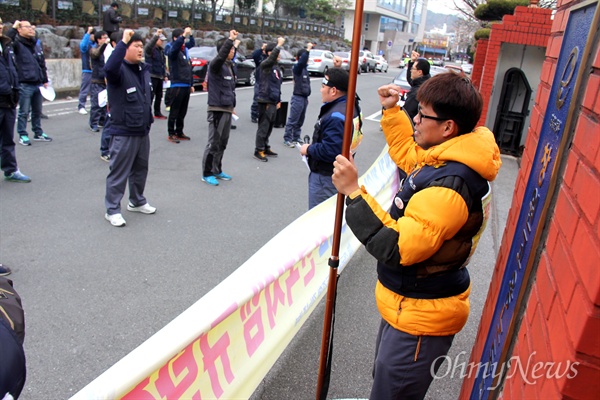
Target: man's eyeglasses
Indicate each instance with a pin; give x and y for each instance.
(421, 116)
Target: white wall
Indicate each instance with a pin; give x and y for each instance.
(527, 58)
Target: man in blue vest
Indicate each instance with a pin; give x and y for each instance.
(9, 98)
(128, 85)
(299, 102)
(87, 42)
(269, 100)
(221, 104)
(328, 135)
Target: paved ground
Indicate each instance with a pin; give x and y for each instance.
(92, 292)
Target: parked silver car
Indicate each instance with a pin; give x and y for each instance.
(367, 61)
(346, 56)
(319, 61)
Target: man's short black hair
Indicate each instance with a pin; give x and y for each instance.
(300, 52)
(114, 4)
(135, 38)
(115, 37)
(338, 78)
(98, 35)
(177, 32)
(270, 47)
(220, 43)
(422, 65)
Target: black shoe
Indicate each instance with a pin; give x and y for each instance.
(254, 120)
(260, 156)
(43, 116)
(270, 153)
(4, 270)
(233, 127)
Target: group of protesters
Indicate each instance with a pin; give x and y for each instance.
(422, 244)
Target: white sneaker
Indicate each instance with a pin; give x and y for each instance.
(83, 111)
(115, 219)
(145, 209)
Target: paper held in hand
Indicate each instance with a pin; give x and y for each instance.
(48, 93)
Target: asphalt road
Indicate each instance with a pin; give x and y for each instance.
(92, 292)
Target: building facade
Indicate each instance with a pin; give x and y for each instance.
(389, 27)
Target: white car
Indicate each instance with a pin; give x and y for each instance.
(367, 61)
(382, 64)
(468, 68)
(319, 61)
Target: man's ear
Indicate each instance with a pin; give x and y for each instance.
(450, 129)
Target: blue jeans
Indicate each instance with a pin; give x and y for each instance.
(30, 100)
(320, 188)
(84, 91)
(293, 127)
(105, 137)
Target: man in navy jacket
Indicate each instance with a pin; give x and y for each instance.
(31, 66)
(299, 102)
(182, 81)
(128, 86)
(221, 105)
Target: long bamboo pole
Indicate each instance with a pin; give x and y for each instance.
(327, 339)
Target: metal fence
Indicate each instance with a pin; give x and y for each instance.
(160, 13)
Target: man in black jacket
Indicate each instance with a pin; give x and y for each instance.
(416, 74)
(31, 67)
(258, 56)
(155, 58)
(9, 98)
(221, 104)
(97, 112)
(269, 100)
(111, 20)
(128, 85)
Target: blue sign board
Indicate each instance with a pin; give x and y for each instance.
(529, 226)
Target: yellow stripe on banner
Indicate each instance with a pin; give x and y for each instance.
(225, 343)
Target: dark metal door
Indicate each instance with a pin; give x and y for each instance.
(512, 111)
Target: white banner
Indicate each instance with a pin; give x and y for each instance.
(225, 343)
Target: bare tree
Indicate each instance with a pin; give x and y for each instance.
(467, 7)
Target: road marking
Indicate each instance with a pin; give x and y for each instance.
(374, 117)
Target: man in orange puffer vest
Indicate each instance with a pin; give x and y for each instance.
(423, 244)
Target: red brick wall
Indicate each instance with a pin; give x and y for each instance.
(480, 54)
(561, 323)
(528, 26)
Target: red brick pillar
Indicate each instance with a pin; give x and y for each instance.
(528, 26)
(560, 323)
(479, 62)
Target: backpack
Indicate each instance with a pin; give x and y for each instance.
(12, 334)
